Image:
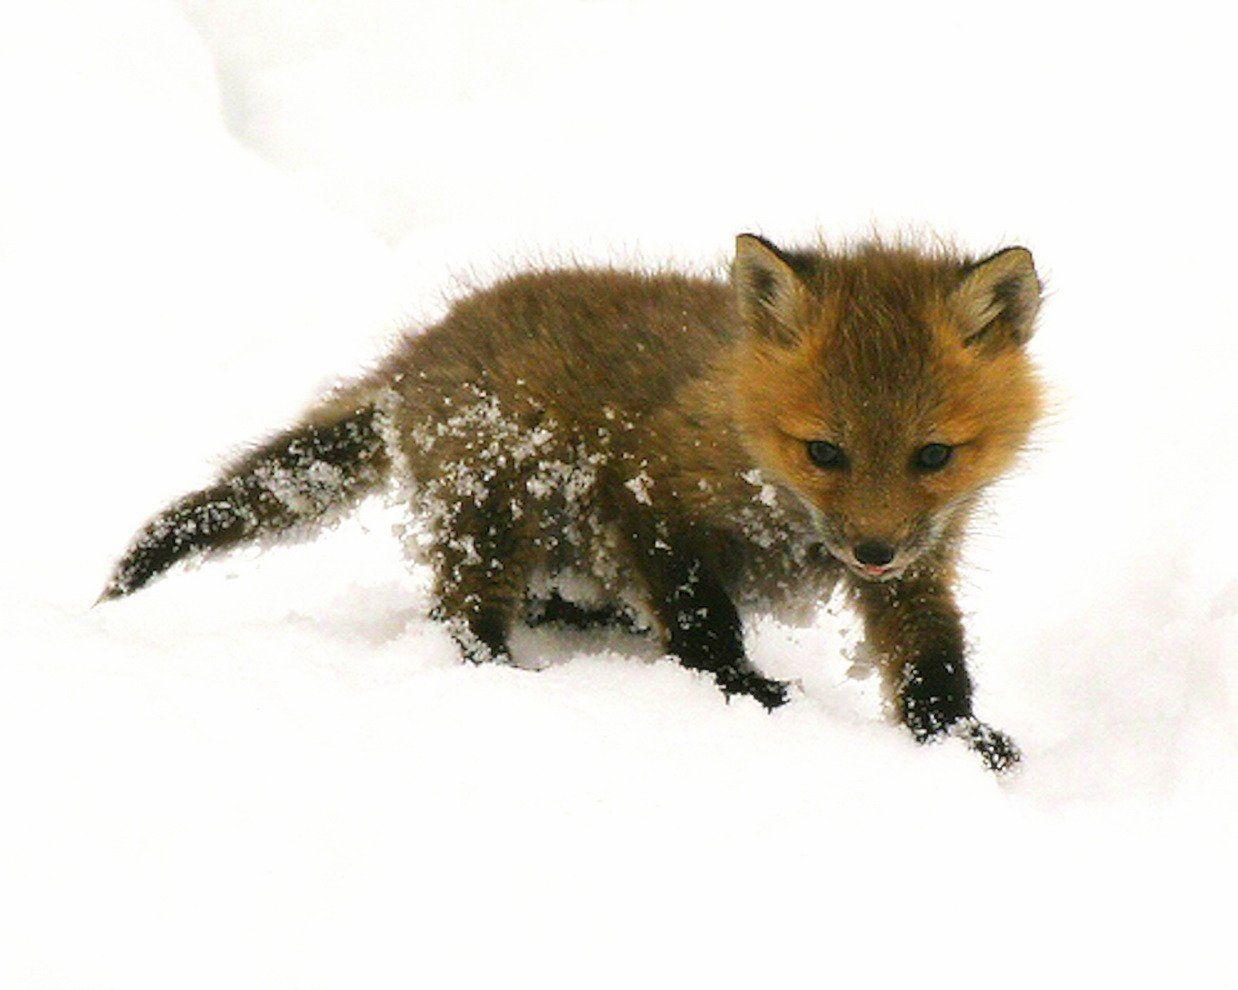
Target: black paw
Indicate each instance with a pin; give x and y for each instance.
(997, 749)
(768, 692)
(481, 638)
(479, 653)
(557, 610)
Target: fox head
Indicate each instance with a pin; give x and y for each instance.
(885, 386)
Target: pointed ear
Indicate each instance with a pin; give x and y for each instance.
(998, 300)
(771, 296)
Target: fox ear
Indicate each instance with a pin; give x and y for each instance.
(998, 300)
(770, 294)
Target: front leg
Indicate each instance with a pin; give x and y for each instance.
(914, 626)
(700, 625)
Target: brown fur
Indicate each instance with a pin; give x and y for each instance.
(648, 432)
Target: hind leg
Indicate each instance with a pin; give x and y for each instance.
(478, 603)
(479, 583)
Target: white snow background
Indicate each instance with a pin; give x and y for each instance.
(273, 770)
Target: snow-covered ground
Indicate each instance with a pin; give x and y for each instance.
(272, 771)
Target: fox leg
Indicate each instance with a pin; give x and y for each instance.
(700, 625)
(479, 583)
(915, 626)
(478, 618)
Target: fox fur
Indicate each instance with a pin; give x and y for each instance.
(693, 447)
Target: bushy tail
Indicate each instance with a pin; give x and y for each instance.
(293, 481)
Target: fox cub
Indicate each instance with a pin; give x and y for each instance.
(686, 449)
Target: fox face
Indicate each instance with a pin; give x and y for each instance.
(885, 388)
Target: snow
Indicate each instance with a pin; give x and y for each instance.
(273, 770)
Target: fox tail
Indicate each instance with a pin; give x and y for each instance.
(296, 481)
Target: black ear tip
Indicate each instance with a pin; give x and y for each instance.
(1012, 252)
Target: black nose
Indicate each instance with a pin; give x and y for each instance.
(874, 553)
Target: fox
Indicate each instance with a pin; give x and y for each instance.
(689, 449)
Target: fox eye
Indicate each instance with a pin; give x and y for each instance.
(933, 456)
(825, 454)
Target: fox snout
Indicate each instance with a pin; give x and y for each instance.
(873, 557)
